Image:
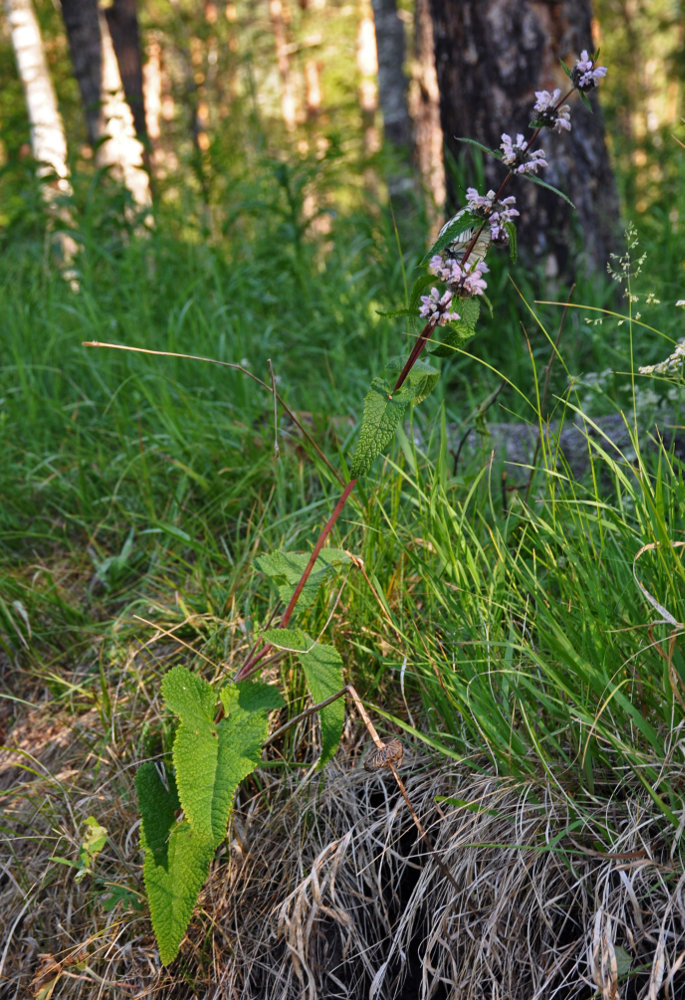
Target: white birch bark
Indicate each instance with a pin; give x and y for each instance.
(121, 150)
(48, 139)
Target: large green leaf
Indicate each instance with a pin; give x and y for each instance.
(382, 415)
(322, 665)
(211, 759)
(176, 861)
(384, 409)
(291, 565)
(421, 380)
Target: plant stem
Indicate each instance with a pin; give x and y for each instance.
(250, 666)
(424, 337)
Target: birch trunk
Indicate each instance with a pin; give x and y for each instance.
(48, 140)
(109, 119)
(122, 150)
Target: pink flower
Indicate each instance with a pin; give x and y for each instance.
(547, 113)
(585, 75)
(518, 157)
(436, 308)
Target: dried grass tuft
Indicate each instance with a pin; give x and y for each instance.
(328, 891)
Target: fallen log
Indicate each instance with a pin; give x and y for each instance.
(572, 442)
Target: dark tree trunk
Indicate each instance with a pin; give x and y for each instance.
(392, 92)
(82, 21)
(109, 119)
(392, 83)
(425, 112)
(491, 57)
(122, 18)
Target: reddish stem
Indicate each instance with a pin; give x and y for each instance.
(251, 665)
(424, 337)
(317, 548)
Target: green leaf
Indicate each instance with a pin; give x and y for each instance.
(322, 665)
(421, 380)
(176, 861)
(454, 335)
(479, 145)
(196, 747)
(550, 187)
(158, 806)
(241, 738)
(382, 415)
(421, 285)
(290, 567)
(462, 221)
(323, 669)
(188, 695)
(510, 229)
(211, 759)
(93, 841)
(383, 410)
(293, 640)
(173, 888)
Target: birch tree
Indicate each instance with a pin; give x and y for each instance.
(109, 119)
(48, 139)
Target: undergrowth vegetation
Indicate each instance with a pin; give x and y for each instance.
(511, 605)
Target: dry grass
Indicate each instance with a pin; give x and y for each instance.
(327, 890)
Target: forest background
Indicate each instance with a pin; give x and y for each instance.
(514, 612)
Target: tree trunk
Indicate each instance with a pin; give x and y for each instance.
(82, 21)
(491, 57)
(121, 150)
(367, 65)
(278, 14)
(48, 140)
(425, 112)
(109, 119)
(392, 83)
(392, 90)
(122, 18)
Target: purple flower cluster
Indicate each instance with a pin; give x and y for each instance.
(518, 157)
(461, 279)
(585, 75)
(496, 212)
(435, 308)
(549, 113)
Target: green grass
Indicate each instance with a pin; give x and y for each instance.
(130, 477)
(500, 625)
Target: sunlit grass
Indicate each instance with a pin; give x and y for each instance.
(495, 620)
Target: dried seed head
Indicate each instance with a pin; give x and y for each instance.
(379, 757)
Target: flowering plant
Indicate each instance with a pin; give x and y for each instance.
(220, 735)
(457, 260)
(494, 212)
